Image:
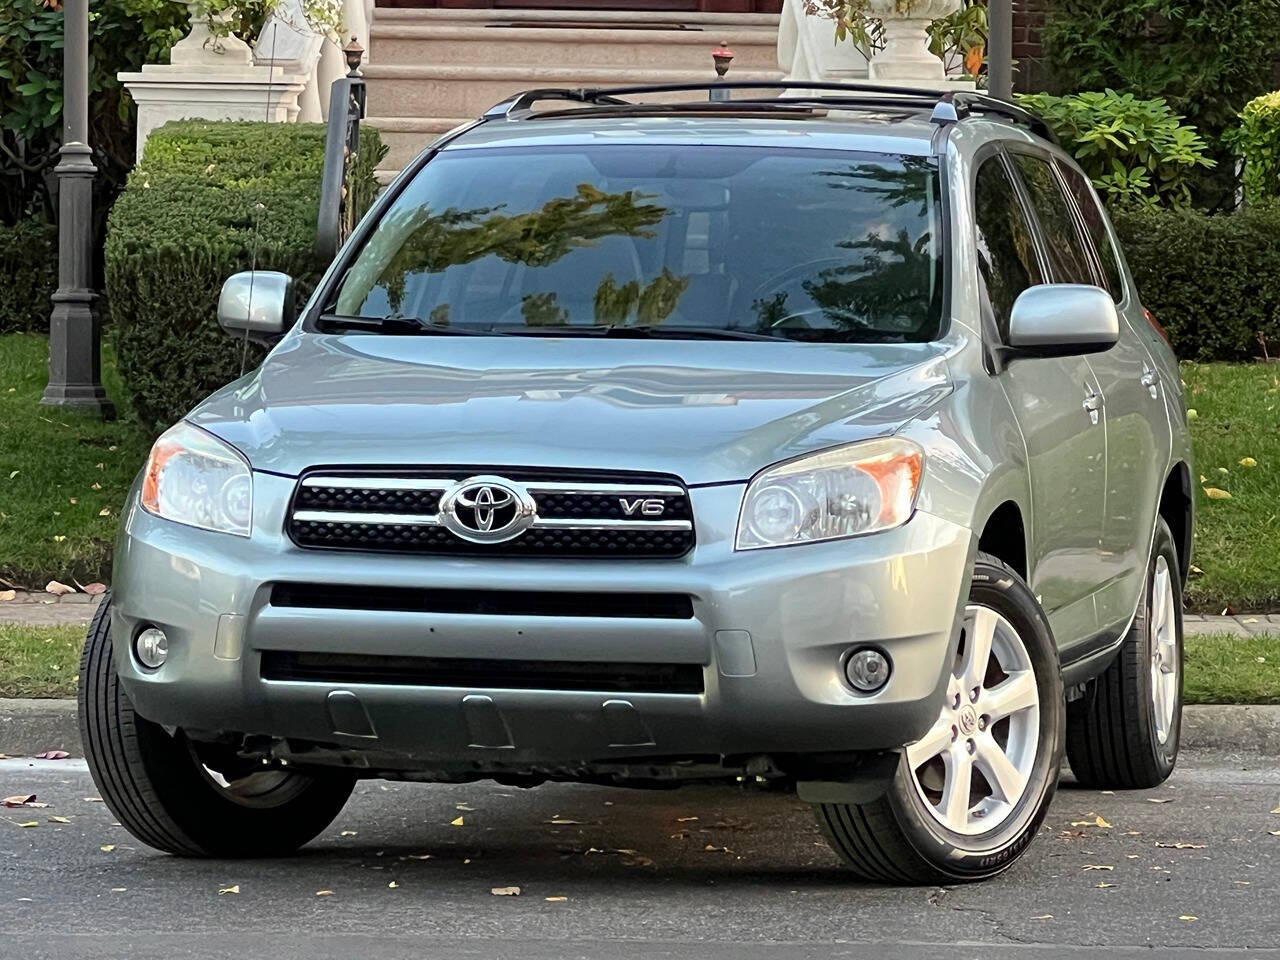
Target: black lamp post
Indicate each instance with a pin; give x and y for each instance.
(75, 330)
(1000, 49)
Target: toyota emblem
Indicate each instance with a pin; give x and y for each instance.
(487, 510)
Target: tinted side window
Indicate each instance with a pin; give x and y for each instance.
(1006, 248)
(1067, 258)
(1095, 225)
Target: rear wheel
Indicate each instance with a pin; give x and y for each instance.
(969, 796)
(187, 798)
(1123, 734)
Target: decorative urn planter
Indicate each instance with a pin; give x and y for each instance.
(204, 47)
(906, 57)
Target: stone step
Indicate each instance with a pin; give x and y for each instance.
(714, 21)
(458, 90)
(603, 46)
(406, 137)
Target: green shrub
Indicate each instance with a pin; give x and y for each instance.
(1206, 58)
(210, 199)
(1137, 152)
(29, 268)
(1257, 142)
(1212, 280)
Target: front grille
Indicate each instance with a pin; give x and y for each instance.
(508, 603)
(570, 514)
(483, 674)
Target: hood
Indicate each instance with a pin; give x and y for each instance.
(706, 411)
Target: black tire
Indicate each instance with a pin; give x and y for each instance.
(1112, 741)
(162, 795)
(895, 839)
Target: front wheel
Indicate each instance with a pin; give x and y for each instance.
(968, 797)
(184, 798)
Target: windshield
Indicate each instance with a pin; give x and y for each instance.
(800, 244)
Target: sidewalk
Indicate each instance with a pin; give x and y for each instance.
(43, 609)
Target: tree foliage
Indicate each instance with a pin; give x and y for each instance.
(123, 34)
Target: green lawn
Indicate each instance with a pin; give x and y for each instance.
(59, 470)
(1237, 546)
(43, 661)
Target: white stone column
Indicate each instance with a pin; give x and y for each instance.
(906, 57)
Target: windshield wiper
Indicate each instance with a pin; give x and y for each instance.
(399, 323)
(656, 332)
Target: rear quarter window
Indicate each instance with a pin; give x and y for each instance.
(1095, 225)
(1068, 256)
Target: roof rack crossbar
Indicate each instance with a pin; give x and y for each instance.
(950, 106)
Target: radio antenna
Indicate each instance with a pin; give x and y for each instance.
(259, 207)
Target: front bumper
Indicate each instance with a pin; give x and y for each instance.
(768, 633)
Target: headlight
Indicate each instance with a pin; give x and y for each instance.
(845, 492)
(194, 478)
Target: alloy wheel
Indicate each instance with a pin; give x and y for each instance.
(1165, 664)
(974, 764)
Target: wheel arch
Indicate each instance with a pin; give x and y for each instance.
(1004, 535)
(1177, 509)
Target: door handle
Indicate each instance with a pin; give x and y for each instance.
(1093, 406)
(1151, 381)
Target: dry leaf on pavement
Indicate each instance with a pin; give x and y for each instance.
(505, 891)
(107, 847)
(555, 899)
(324, 893)
(456, 823)
(234, 888)
(59, 820)
(7, 595)
(52, 755)
(27, 823)
(1159, 800)
(1188, 918)
(58, 589)
(1182, 846)
(19, 800)
(1097, 866)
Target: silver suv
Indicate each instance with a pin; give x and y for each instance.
(816, 439)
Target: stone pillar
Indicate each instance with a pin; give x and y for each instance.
(75, 329)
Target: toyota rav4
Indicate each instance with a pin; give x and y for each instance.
(810, 438)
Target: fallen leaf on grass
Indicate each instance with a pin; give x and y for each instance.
(1216, 493)
(1248, 462)
(1192, 413)
(1097, 866)
(505, 891)
(234, 888)
(58, 589)
(107, 847)
(104, 512)
(59, 820)
(58, 537)
(457, 823)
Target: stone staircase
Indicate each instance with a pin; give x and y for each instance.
(430, 70)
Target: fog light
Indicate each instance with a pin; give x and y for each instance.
(867, 670)
(152, 648)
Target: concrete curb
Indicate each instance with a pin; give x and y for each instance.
(28, 727)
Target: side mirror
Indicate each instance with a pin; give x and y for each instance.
(257, 303)
(1063, 319)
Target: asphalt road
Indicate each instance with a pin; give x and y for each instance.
(749, 878)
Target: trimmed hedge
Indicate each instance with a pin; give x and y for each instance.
(29, 272)
(210, 199)
(1212, 280)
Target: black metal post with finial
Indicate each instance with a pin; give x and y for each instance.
(342, 143)
(722, 56)
(75, 329)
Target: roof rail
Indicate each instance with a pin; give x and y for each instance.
(957, 105)
(950, 106)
